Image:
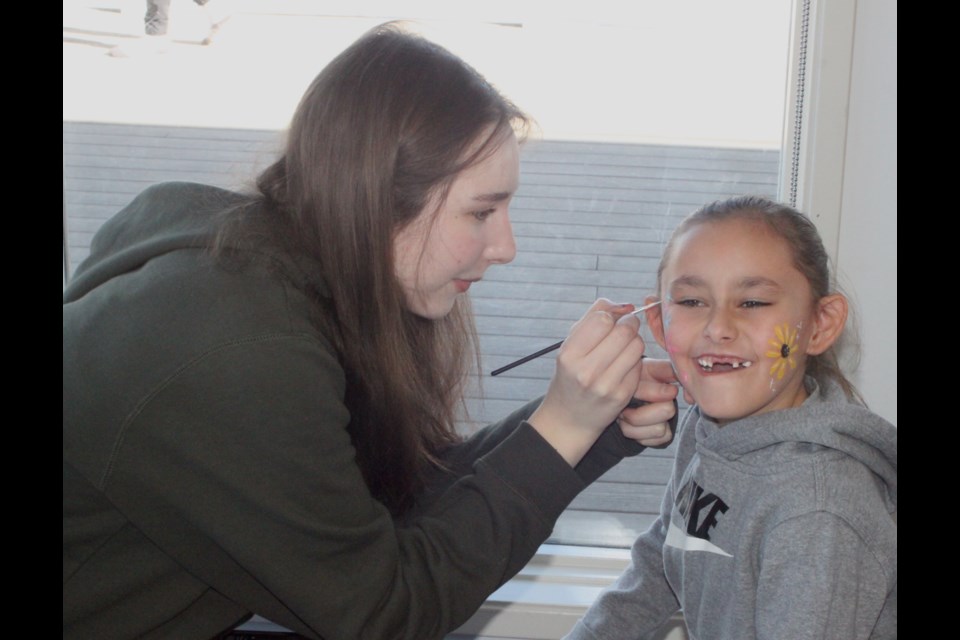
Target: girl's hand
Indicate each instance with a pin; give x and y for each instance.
(598, 372)
(650, 424)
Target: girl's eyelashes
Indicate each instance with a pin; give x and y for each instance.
(699, 302)
(483, 214)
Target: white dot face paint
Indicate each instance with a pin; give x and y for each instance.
(733, 316)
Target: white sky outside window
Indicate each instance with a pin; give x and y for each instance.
(680, 72)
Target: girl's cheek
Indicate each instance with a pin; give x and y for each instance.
(667, 319)
(673, 349)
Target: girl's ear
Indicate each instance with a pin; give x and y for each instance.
(655, 320)
(831, 316)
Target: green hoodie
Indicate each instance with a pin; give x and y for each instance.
(208, 473)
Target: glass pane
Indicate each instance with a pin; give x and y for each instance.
(645, 109)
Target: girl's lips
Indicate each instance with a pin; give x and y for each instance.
(718, 363)
(463, 285)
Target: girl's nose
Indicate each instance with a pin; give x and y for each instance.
(720, 326)
(501, 246)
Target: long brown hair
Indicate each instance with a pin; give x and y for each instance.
(386, 125)
(809, 258)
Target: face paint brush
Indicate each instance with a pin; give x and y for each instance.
(554, 347)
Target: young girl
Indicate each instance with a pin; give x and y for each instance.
(779, 520)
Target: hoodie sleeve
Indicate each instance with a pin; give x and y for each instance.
(242, 470)
(641, 601)
(609, 449)
(820, 579)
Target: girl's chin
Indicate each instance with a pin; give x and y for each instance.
(432, 309)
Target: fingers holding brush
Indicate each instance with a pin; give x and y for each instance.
(597, 373)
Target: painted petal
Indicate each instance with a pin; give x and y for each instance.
(779, 332)
(778, 368)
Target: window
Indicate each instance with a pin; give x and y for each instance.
(646, 110)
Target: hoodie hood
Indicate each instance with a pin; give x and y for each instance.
(165, 217)
(826, 423)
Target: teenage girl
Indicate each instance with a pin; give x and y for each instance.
(259, 390)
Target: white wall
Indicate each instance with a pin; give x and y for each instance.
(848, 171)
(867, 243)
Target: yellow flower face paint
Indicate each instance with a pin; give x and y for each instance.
(784, 345)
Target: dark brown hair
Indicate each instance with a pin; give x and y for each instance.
(384, 127)
(809, 258)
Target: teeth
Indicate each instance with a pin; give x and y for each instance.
(708, 363)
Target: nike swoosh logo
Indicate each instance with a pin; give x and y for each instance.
(680, 539)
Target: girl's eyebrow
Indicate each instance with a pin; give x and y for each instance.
(499, 196)
(752, 282)
(688, 281)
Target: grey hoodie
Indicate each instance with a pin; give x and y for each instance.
(777, 526)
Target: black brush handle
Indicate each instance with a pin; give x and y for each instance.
(554, 347)
(532, 356)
